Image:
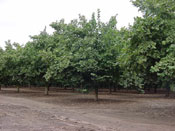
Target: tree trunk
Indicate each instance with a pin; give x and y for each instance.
(18, 89)
(168, 92)
(96, 93)
(0, 87)
(47, 90)
(73, 89)
(115, 88)
(155, 89)
(167, 86)
(110, 89)
(119, 88)
(29, 85)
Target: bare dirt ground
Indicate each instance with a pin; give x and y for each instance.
(31, 110)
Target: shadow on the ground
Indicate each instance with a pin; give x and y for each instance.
(100, 101)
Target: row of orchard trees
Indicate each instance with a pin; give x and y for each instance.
(91, 53)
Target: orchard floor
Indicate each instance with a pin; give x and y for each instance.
(31, 110)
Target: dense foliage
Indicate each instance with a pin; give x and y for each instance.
(91, 53)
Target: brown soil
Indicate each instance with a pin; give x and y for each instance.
(31, 110)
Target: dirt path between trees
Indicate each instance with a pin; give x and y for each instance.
(30, 110)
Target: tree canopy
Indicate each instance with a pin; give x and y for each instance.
(93, 53)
